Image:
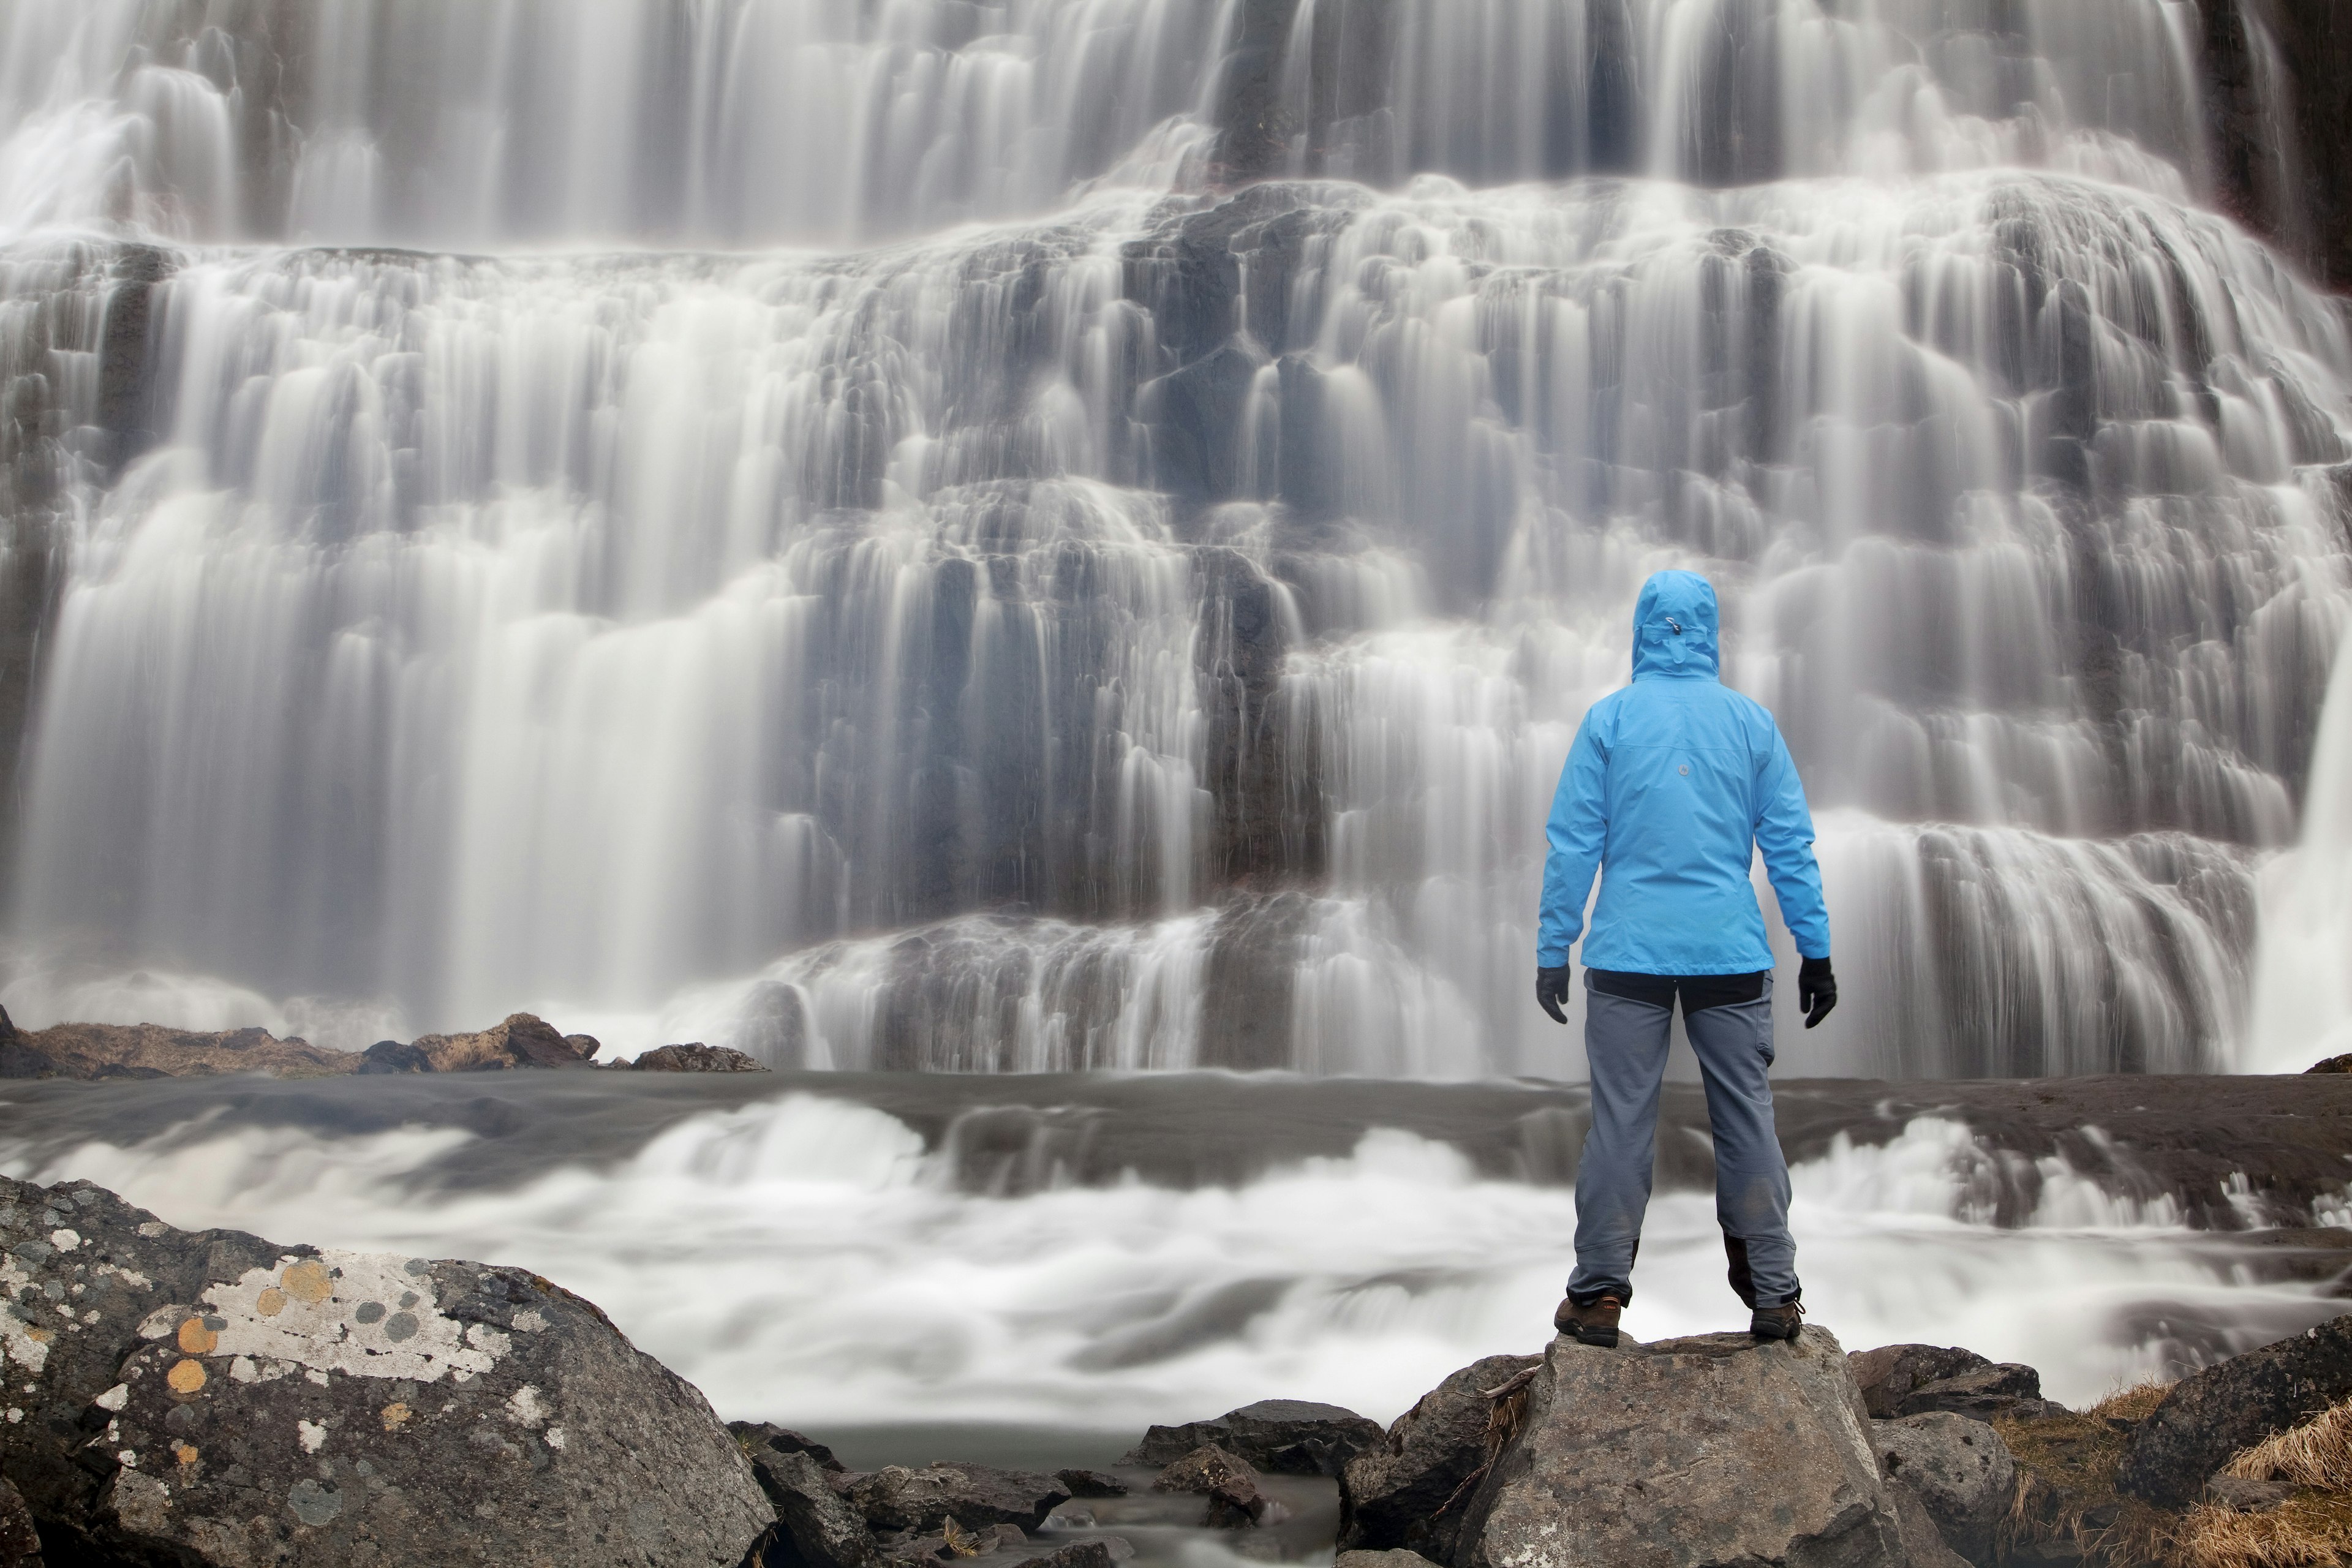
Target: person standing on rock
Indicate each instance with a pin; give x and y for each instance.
(1672, 785)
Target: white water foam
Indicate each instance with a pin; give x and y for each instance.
(807, 1260)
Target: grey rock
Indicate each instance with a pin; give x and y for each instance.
(974, 1496)
(1393, 1557)
(1286, 1436)
(756, 1436)
(216, 1399)
(1091, 1483)
(1235, 1499)
(1923, 1545)
(1204, 1469)
(823, 1530)
(1080, 1555)
(1958, 1468)
(20, 1540)
(2233, 1491)
(697, 1057)
(1887, 1375)
(1692, 1453)
(1396, 1496)
(2232, 1406)
(2007, 1388)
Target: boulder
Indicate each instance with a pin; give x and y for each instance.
(1091, 1483)
(20, 1540)
(1393, 1557)
(1235, 1499)
(1958, 1468)
(1691, 1453)
(2342, 1064)
(758, 1436)
(584, 1047)
(522, 1041)
(921, 1501)
(695, 1058)
(1396, 1496)
(212, 1398)
(1887, 1375)
(2007, 1388)
(2235, 1405)
(100, 1051)
(1923, 1545)
(823, 1530)
(1286, 1437)
(1082, 1555)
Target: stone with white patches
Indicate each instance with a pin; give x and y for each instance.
(529, 1323)
(114, 1398)
(524, 1409)
(65, 1240)
(312, 1435)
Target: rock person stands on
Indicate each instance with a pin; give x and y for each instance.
(1672, 785)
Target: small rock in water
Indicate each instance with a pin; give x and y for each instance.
(1205, 1470)
(1286, 1436)
(696, 1058)
(896, 1498)
(1091, 1483)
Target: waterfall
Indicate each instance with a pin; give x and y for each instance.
(861, 530)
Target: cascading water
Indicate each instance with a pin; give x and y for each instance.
(1146, 632)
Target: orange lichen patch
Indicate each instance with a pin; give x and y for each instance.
(186, 1377)
(40, 1336)
(395, 1415)
(198, 1339)
(307, 1280)
(270, 1302)
(185, 1453)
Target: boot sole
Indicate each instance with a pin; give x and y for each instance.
(1606, 1338)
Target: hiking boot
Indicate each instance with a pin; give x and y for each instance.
(1590, 1325)
(1777, 1322)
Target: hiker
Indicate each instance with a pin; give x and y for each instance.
(1672, 785)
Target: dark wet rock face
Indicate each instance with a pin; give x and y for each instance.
(697, 1057)
(815, 1527)
(20, 1539)
(1704, 1451)
(1286, 1437)
(212, 1398)
(974, 1496)
(2235, 1404)
(1912, 1380)
(1091, 1483)
(1396, 1496)
(1960, 1471)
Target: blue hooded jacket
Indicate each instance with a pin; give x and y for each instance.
(1672, 785)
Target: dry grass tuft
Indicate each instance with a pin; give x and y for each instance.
(2067, 1496)
(2311, 1529)
(2317, 1454)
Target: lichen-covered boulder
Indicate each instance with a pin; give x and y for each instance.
(1694, 1453)
(1397, 1496)
(1960, 1470)
(212, 1399)
(696, 1058)
(520, 1040)
(2235, 1404)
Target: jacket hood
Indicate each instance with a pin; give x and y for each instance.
(1675, 625)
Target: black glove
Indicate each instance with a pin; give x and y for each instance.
(1816, 990)
(1551, 992)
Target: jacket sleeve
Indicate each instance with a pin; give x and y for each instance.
(1784, 832)
(1578, 829)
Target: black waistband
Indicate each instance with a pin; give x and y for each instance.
(1698, 992)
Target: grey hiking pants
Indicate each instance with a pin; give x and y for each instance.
(1626, 1044)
